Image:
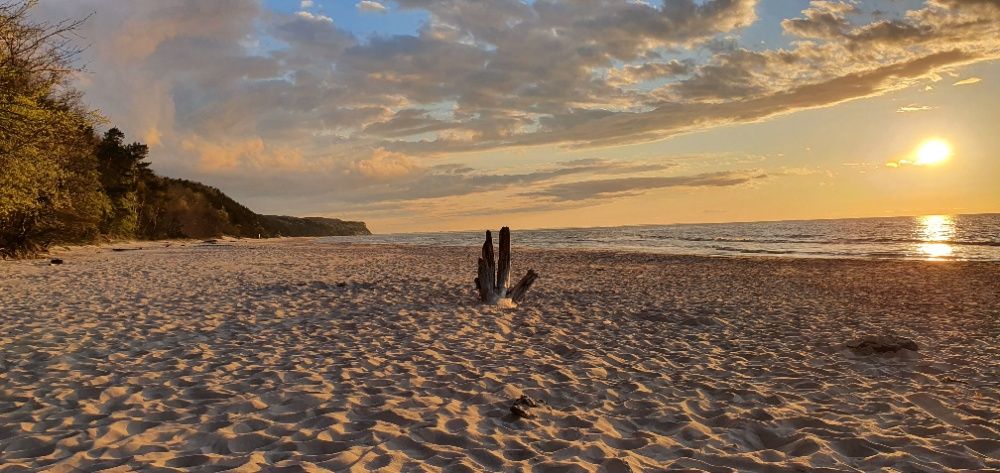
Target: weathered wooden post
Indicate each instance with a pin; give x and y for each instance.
(494, 276)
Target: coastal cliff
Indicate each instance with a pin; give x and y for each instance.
(181, 208)
(314, 226)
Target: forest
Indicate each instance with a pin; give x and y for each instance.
(64, 182)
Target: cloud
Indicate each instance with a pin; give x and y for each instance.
(229, 87)
(634, 74)
(371, 6)
(314, 16)
(408, 122)
(969, 81)
(383, 164)
(251, 154)
(621, 187)
(822, 20)
(480, 76)
(306, 4)
(452, 181)
(606, 129)
(913, 108)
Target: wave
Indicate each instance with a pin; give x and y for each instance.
(755, 251)
(918, 241)
(969, 238)
(833, 241)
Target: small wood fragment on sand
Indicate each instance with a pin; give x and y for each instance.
(521, 408)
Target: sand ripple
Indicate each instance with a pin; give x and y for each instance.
(297, 356)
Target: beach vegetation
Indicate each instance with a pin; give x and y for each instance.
(49, 184)
(62, 182)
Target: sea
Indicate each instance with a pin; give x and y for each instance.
(972, 237)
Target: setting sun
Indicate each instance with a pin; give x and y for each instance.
(932, 152)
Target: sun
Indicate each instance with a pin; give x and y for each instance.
(931, 152)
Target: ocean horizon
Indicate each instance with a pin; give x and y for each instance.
(959, 237)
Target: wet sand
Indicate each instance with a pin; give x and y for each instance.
(293, 355)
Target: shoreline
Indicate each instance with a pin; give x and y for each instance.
(640, 251)
(135, 245)
(251, 354)
(625, 251)
(139, 245)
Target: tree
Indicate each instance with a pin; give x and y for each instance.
(122, 167)
(49, 189)
(60, 182)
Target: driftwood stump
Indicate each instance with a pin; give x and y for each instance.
(494, 275)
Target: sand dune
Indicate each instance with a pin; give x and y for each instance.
(293, 355)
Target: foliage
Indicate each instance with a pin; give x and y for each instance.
(122, 168)
(173, 209)
(61, 183)
(48, 184)
(178, 208)
(281, 225)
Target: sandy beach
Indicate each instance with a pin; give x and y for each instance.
(295, 355)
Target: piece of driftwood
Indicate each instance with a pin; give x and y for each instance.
(494, 274)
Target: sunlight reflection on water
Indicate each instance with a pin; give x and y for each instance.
(936, 231)
(928, 237)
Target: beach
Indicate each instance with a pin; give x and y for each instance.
(299, 355)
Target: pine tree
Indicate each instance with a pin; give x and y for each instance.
(122, 168)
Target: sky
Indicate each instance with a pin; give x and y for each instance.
(426, 115)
